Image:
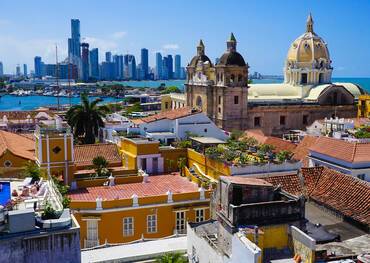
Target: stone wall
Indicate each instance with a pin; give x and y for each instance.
(56, 246)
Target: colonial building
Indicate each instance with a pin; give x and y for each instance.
(307, 93)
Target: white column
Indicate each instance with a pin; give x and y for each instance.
(135, 200)
(98, 201)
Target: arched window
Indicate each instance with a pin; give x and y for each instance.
(304, 78)
(232, 78)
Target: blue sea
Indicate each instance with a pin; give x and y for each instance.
(9, 102)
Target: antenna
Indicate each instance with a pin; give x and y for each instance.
(57, 73)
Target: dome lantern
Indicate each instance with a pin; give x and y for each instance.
(200, 48)
(231, 43)
(309, 25)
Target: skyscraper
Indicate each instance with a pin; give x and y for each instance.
(1, 69)
(118, 65)
(38, 67)
(108, 56)
(18, 70)
(158, 66)
(144, 63)
(170, 66)
(94, 63)
(165, 68)
(25, 70)
(177, 67)
(85, 61)
(74, 42)
(132, 67)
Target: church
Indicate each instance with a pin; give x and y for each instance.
(307, 94)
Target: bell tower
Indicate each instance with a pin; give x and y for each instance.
(54, 149)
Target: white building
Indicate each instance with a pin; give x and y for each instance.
(176, 124)
(113, 124)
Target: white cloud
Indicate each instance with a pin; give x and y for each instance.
(102, 44)
(119, 34)
(170, 46)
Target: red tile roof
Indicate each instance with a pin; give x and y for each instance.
(343, 150)
(171, 115)
(21, 115)
(18, 145)
(84, 154)
(301, 151)
(278, 143)
(345, 194)
(156, 185)
(289, 183)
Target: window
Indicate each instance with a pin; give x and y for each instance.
(219, 109)
(240, 78)
(128, 226)
(232, 78)
(257, 121)
(199, 215)
(7, 163)
(180, 222)
(236, 99)
(143, 164)
(151, 223)
(304, 78)
(166, 105)
(305, 119)
(282, 120)
(361, 176)
(219, 99)
(205, 130)
(91, 233)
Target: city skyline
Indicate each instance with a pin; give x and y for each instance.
(256, 26)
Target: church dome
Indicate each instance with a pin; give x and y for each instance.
(231, 57)
(200, 57)
(309, 47)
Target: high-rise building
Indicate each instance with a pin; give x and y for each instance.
(18, 70)
(1, 69)
(177, 67)
(25, 70)
(85, 61)
(108, 56)
(107, 71)
(144, 63)
(118, 65)
(94, 63)
(74, 41)
(165, 67)
(170, 66)
(132, 67)
(158, 66)
(38, 67)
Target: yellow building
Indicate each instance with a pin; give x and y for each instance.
(147, 155)
(363, 106)
(173, 101)
(15, 151)
(54, 150)
(138, 207)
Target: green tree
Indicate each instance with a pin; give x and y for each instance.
(134, 108)
(172, 258)
(100, 166)
(284, 155)
(171, 89)
(31, 169)
(181, 163)
(86, 119)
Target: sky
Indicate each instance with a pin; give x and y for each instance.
(264, 29)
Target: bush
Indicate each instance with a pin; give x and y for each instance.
(49, 212)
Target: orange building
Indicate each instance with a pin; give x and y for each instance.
(138, 207)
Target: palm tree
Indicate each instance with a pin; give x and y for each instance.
(171, 258)
(86, 119)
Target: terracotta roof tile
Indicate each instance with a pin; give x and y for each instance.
(343, 193)
(156, 185)
(171, 115)
(278, 143)
(84, 154)
(343, 150)
(18, 145)
(301, 151)
(288, 182)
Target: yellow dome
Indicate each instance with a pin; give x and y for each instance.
(309, 47)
